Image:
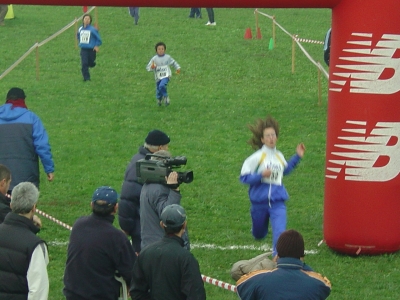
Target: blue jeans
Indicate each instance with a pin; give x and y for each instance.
(134, 12)
(161, 88)
(195, 12)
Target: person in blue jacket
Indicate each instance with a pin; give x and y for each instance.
(292, 279)
(24, 140)
(264, 171)
(89, 42)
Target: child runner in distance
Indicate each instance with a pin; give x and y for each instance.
(160, 65)
(89, 42)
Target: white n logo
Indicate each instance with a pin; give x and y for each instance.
(373, 70)
(375, 157)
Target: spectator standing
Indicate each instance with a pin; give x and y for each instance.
(291, 280)
(195, 12)
(211, 20)
(23, 255)
(159, 64)
(96, 251)
(5, 181)
(129, 205)
(263, 172)
(166, 270)
(24, 140)
(5, 200)
(89, 42)
(134, 12)
(153, 199)
(3, 13)
(327, 47)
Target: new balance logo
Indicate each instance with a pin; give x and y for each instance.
(369, 67)
(366, 156)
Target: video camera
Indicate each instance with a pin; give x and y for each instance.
(154, 171)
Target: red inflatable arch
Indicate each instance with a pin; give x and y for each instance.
(362, 204)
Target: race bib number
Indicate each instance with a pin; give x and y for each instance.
(163, 72)
(276, 173)
(84, 37)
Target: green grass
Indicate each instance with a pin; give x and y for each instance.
(226, 82)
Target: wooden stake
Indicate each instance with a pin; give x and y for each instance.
(293, 51)
(319, 85)
(37, 61)
(76, 30)
(97, 18)
(273, 30)
(256, 13)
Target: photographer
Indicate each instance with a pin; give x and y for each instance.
(129, 205)
(153, 199)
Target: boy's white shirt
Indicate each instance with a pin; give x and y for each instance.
(273, 160)
(38, 279)
(163, 64)
(163, 72)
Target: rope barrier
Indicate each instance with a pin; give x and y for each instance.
(53, 219)
(310, 41)
(297, 40)
(219, 283)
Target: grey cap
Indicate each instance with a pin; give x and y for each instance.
(173, 216)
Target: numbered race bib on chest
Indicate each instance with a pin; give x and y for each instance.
(163, 72)
(276, 167)
(84, 37)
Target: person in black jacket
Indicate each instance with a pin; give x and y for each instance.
(327, 47)
(5, 180)
(165, 269)
(5, 198)
(129, 205)
(96, 251)
(23, 255)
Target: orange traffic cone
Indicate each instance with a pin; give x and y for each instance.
(258, 33)
(247, 34)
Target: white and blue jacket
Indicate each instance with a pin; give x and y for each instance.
(270, 189)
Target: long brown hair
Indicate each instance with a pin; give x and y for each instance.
(258, 130)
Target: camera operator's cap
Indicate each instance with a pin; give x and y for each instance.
(173, 216)
(105, 193)
(157, 138)
(15, 93)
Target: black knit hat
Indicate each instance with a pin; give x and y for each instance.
(157, 138)
(15, 93)
(290, 244)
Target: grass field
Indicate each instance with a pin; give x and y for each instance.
(226, 83)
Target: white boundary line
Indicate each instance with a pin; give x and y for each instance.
(264, 248)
